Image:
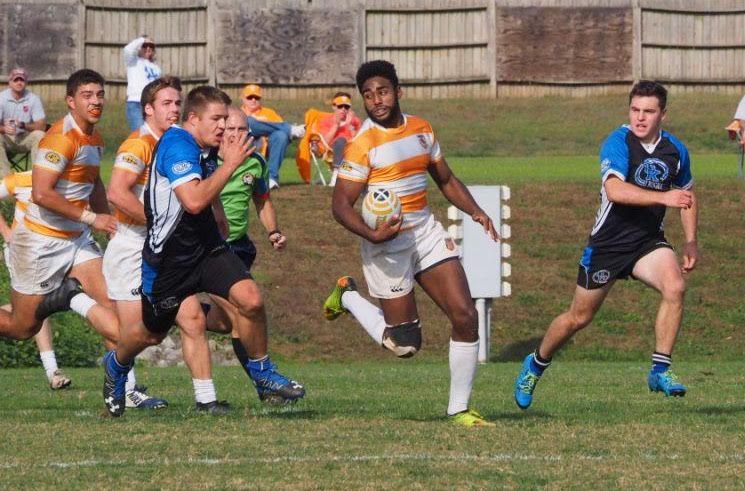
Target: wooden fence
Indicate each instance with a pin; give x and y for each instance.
(442, 48)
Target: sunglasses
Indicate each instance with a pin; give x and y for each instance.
(18, 79)
(344, 106)
(148, 45)
(253, 98)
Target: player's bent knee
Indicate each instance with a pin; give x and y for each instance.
(580, 320)
(251, 306)
(465, 319)
(674, 290)
(405, 340)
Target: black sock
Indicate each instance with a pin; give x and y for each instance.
(240, 353)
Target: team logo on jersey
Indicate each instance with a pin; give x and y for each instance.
(52, 157)
(652, 173)
(182, 168)
(422, 141)
(604, 165)
(248, 179)
(130, 159)
(601, 277)
(346, 166)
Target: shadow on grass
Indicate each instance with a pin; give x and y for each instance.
(284, 413)
(517, 350)
(719, 410)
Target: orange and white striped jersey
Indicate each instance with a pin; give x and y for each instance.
(76, 157)
(395, 159)
(134, 155)
(17, 186)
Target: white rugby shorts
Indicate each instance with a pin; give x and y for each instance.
(122, 267)
(390, 267)
(38, 263)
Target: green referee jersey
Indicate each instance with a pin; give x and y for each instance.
(251, 178)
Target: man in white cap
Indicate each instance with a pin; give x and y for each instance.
(23, 119)
(139, 58)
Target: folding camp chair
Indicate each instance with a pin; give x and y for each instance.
(314, 156)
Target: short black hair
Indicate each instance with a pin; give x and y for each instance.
(199, 97)
(83, 77)
(649, 88)
(376, 68)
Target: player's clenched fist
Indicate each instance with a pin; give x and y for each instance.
(678, 198)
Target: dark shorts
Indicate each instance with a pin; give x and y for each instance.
(245, 249)
(599, 266)
(215, 274)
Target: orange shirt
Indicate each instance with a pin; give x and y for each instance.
(135, 155)
(395, 159)
(76, 157)
(18, 186)
(327, 121)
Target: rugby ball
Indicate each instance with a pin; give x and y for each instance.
(379, 206)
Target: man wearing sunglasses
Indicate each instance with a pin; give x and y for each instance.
(338, 128)
(23, 119)
(139, 58)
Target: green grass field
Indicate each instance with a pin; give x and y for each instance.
(374, 422)
(379, 426)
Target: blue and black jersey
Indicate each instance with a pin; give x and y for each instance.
(176, 239)
(658, 167)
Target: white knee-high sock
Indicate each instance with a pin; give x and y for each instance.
(368, 315)
(81, 304)
(49, 361)
(131, 380)
(204, 390)
(463, 359)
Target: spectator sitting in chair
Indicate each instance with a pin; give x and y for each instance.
(338, 128)
(23, 119)
(268, 124)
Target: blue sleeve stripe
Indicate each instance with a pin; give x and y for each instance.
(188, 177)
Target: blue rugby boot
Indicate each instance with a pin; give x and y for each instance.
(273, 387)
(525, 383)
(115, 379)
(666, 382)
(138, 398)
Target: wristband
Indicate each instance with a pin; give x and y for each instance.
(87, 217)
(275, 231)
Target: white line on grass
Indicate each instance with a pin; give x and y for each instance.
(420, 457)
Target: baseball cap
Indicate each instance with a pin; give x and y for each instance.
(18, 72)
(341, 100)
(251, 90)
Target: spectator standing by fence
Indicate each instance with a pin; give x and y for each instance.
(139, 58)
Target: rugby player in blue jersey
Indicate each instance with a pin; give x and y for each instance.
(185, 251)
(644, 171)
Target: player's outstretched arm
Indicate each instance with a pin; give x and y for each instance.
(345, 196)
(622, 192)
(689, 220)
(459, 195)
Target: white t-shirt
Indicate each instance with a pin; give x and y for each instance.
(740, 113)
(140, 71)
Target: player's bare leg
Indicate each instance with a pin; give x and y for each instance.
(194, 344)
(585, 305)
(447, 285)
(21, 323)
(102, 315)
(660, 270)
(271, 386)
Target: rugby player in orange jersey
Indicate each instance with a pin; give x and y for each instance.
(52, 253)
(396, 152)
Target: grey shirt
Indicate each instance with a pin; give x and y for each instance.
(26, 109)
